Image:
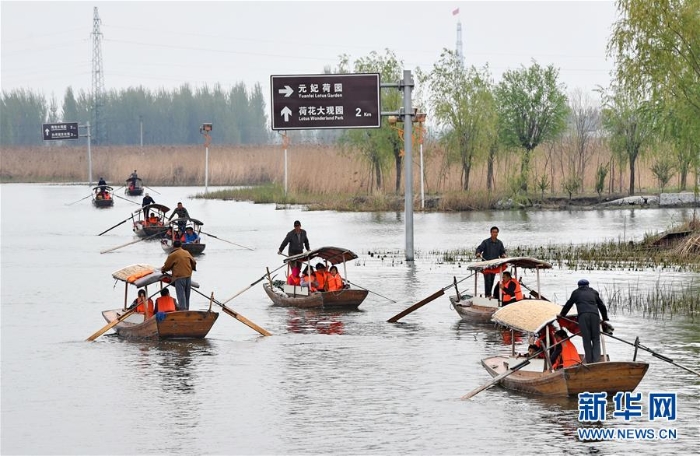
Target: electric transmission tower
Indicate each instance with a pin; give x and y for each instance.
(460, 52)
(99, 132)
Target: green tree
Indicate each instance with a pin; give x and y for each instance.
(23, 112)
(463, 105)
(531, 108)
(70, 107)
(663, 170)
(629, 123)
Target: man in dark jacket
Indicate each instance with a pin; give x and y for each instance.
(182, 214)
(490, 249)
(145, 202)
(296, 239)
(588, 304)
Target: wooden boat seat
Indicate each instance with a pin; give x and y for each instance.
(295, 290)
(536, 365)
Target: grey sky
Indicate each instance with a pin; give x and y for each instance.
(46, 46)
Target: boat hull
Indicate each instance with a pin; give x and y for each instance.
(134, 192)
(101, 203)
(347, 299)
(144, 231)
(608, 376)
(194, 249)
(470, 312)
(184, 324)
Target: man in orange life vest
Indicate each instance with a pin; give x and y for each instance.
(510, 289)
(564, 354)
(165, 303)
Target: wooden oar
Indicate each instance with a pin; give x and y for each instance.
(638, 345)
(110, 229)
(511, 370)
(129, 243)
(110, 325)
(252, 284)
(236, 315)
(217, 237)
(79, 200)
(132, 202)
(153, 190)
(420, 304)
(374, 292)
(533, 292)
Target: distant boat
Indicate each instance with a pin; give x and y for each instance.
(102, 196)
(134, 186)
(152, 224)
(180, 324)
(479, 309)
(537, 377)
(284, 295)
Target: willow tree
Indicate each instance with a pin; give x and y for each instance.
(378, 146)
(531, 108)
(463, 104)
(656, 46)
(629, 123)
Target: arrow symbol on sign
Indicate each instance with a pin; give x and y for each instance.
(286, 112)
(46, 132)
(287, 91)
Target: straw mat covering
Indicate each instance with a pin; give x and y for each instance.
(529, 315)
(518, 262)
(134, 270)
(333, 255)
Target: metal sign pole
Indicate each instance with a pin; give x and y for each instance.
(407, 86)
(87, 124)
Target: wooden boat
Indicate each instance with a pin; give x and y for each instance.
(134, 187)
(181, 324)
(537, 377)
(194, 248)
(477, 308)
(102, 198)
(348, 298)
(154, 225)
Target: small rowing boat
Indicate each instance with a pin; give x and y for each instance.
(102, 196)
(176, 231)
(477, 308)
(536, 376)
(149, 220)
(134, 186)
(285, 295)
(180, 324)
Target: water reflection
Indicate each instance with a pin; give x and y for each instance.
(305, 321)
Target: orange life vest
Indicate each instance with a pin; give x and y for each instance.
(166, 304)
(321, 279)
(308, 279)
(139, 309)
(495, 269)
(335, 282)
(568, 357)
(293, 280)
(518, 292)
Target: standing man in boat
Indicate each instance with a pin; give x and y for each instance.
(182, 264)
(102, 184)
(145, 202)
(296, 239)
(490, 249)
(588, 304)
(181, 213)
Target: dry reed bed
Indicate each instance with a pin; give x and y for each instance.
(312, 169)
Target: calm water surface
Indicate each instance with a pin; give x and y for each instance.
(344, 383)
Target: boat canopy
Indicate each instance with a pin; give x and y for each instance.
(99, 188)
(138, 179)
(518, 262)
(177, 221)
(333, 255)
(148, 207)
(141, 275)
(528, 315)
